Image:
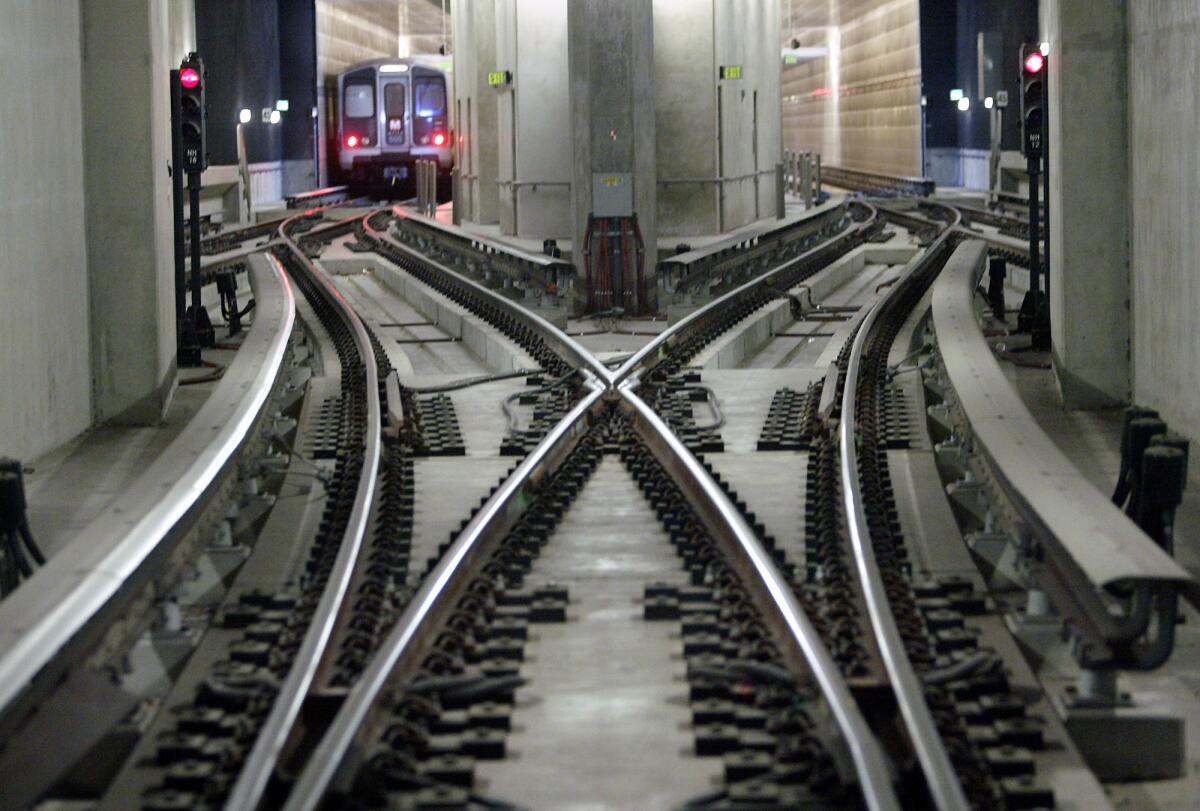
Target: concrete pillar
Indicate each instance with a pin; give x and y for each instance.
(45, 374)
(534, 155)
(1164, 114)
(128, 48)
(719, 139)
(476, 109)
(1089, 214)
(612, 111)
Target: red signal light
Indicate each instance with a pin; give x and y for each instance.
(1034, 62)
(352, 141)
(439, 139)
(189, 78)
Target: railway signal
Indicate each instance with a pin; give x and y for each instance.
(192, 114)
(189, 152)
(1035, 309)
(1033, 101)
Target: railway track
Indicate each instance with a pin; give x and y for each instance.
(825, 674)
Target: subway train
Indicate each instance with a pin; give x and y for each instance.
(390, 113)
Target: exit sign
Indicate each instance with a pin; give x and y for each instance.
(730, 72)
(497, 78)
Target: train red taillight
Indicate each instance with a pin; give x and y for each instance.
(352, 141)
(439, 139)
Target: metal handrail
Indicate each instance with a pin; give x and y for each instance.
(91, 592)
(268, 746)
(799, 640)
(940, 775)
(399, 653)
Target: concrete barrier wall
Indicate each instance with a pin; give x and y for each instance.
(756, 330)
(455, 320)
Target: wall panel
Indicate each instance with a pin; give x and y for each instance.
(860, 105)
(45, 373)
(1164, 115)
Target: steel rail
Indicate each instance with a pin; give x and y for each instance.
(400, 654)
(94, 582)
(403, 646)
(260, 765)
(940, 776)
(793, 630)
(658, 346)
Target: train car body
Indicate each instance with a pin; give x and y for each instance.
(391, 113)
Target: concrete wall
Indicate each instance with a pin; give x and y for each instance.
(534, 160)
(748, 109)
(860, 106)
(952, 166)
(611, 58)
(691, 42)
(129, 46)
(45, 370)
(476, 110)
(685, 90)
(350, 31)
(1090, 210)
(1164, 115)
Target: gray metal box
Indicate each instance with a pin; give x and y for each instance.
(612, 194)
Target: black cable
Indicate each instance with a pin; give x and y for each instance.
(471, 381)
(34, 552)
(553, 384)
(22, 562)
(9, 577)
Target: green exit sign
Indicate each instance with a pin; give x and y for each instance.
(497, 78)
(731, 72)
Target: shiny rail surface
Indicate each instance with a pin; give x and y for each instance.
(940, 775)
(409, 638)
(259, 766)
(64, 597)
(802, 645)
(332, 764)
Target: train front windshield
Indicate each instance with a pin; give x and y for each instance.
(360, 101)
(431, 98)
(429, 108)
